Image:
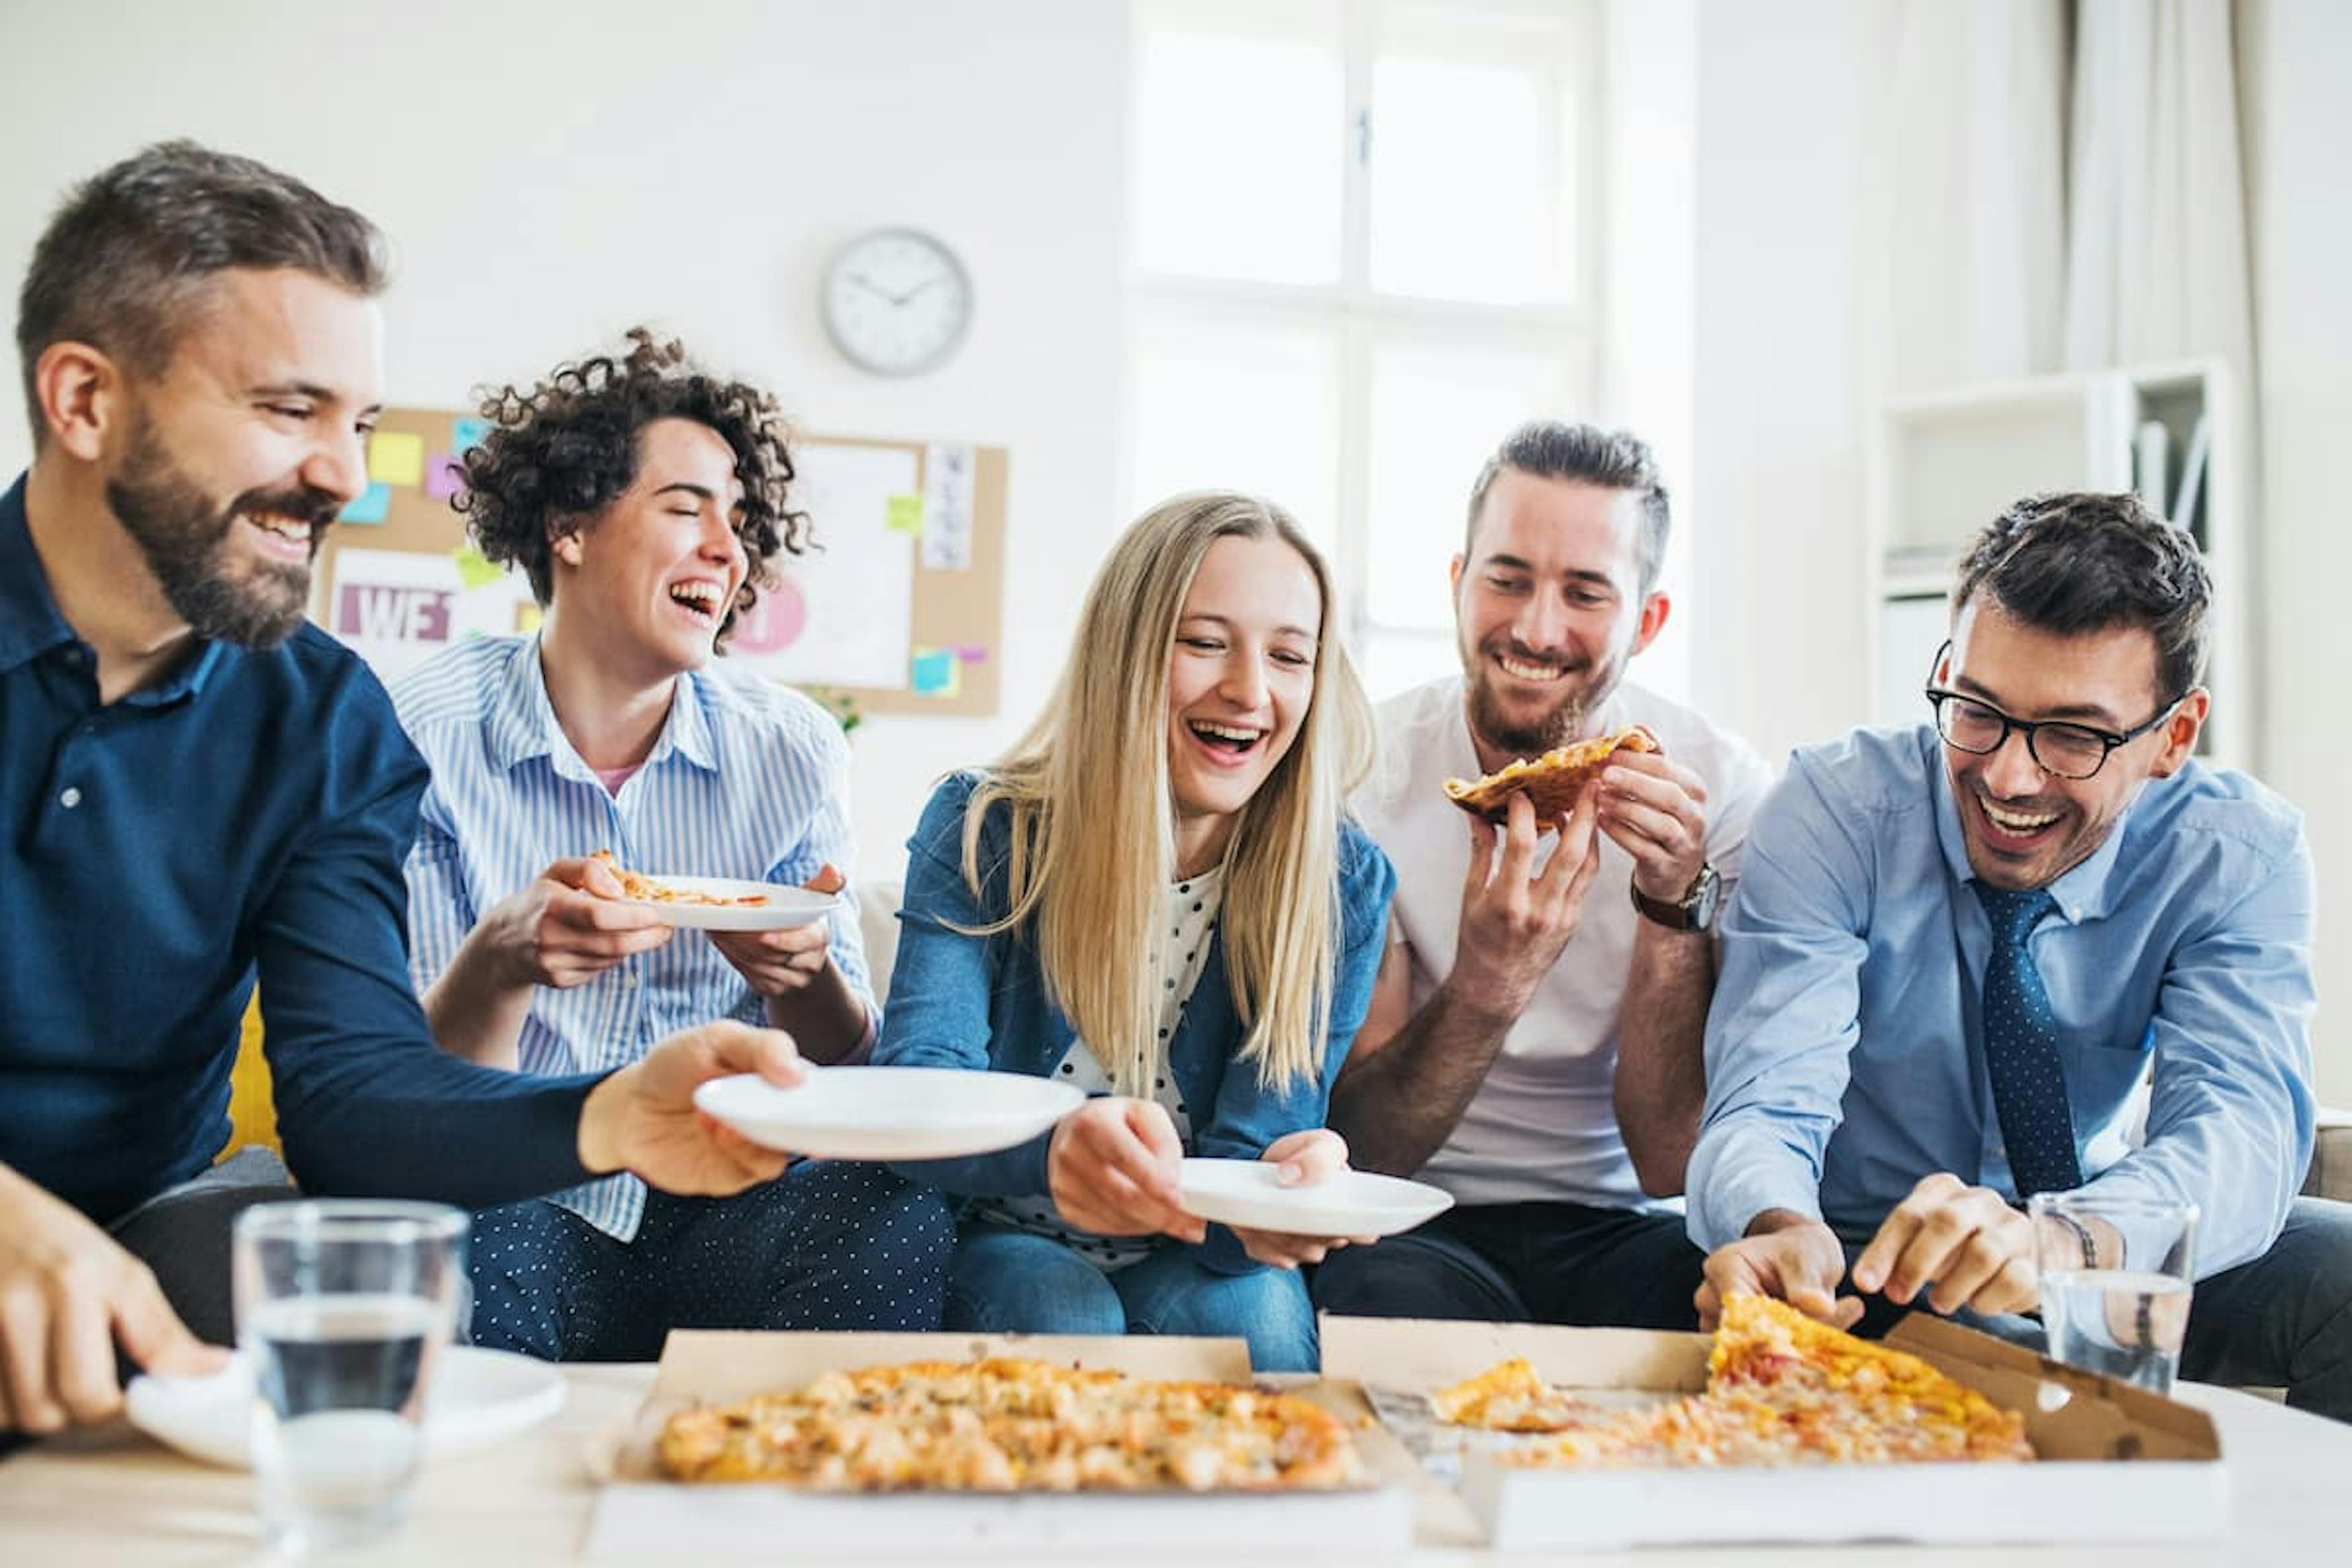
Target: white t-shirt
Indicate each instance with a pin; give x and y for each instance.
(1542, 1126)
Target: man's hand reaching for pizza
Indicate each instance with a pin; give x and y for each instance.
(1789, 1256)
(1963, 1246)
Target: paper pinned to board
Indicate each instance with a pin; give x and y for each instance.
(948, 470)
(852, 599)
(396, 458)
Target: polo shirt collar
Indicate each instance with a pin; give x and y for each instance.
(32, 625)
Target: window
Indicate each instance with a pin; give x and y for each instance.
(1363, 252)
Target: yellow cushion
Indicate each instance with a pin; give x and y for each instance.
(252, 1114)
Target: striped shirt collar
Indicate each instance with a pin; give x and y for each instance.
(521, 723)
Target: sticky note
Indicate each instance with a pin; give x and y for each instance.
(443, 476)
(527, 618)
(903, 514)
(468, 432)
(936, 673)
(369, 506)
(474, 569)
(973, 654)
(396, 458)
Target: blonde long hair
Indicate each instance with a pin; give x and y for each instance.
(1093, 844)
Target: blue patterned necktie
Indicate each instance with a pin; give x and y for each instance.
(2020, 1047)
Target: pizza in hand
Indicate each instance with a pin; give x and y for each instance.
(1552, 781)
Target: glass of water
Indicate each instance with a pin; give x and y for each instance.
(343, 1307)
(2123, 1310)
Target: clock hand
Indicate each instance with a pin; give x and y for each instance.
(931, 282)
(871, 287)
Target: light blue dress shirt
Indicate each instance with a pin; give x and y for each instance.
(748, 780)
(1843, 1053)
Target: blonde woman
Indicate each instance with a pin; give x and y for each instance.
(1155, 896)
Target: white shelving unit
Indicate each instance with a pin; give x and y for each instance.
(1947, 463)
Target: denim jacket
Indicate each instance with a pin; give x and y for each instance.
(975, 1002)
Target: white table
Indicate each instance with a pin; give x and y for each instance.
(111, 1496)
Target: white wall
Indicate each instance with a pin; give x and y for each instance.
(2295, 64)
(553, 172)
(1785, 362)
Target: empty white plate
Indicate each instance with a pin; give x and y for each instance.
(477, 1397)
(1353, 1203)
(890, 1114)
(779, 906)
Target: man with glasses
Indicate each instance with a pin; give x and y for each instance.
(1959, 951)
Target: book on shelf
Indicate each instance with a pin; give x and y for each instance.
(2151, 449)
(2193, 475)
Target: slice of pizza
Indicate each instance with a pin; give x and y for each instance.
(1552, 781)
(1783, 1389)
(648, 890)
(1768, 1348)
(1509, 1396)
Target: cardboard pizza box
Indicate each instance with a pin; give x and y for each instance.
(638, 1510)
(2118, 1463)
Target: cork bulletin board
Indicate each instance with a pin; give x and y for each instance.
(898, 610)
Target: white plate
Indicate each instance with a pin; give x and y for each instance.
(477, 1397)
(780, 905)
(1353, 1203)
(890, 1114)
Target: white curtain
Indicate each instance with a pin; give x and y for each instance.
(2156, 254)
(1974, 107)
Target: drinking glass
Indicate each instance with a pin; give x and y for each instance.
(2124, 1312)
(343, 1307)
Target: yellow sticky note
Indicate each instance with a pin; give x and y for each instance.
(396, 458)
(904, 514)
(527, 618)
(474, 569)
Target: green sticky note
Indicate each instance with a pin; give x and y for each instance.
(474, 569)
(904, 514)
(396, 458)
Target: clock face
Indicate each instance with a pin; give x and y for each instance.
(897, 302)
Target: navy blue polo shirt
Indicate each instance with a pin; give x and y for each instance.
(247, 816)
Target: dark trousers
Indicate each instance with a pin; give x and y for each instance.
(1532, 1262)
(828, 1245)
(183, 1235)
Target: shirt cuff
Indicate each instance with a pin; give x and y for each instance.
(1722, 1213)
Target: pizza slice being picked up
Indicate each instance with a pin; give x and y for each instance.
(1552, 781)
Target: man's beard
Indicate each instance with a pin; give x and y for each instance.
(185, 541)
(1555, 726)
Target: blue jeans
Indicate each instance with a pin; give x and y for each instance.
(1010, 1281)
(828, 1245)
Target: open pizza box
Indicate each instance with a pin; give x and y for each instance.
(2118, 1463)
(639, 1509)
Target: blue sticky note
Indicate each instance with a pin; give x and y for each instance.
(934, 672)
(369, 505)
(468, 432)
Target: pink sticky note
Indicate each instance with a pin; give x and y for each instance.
(445, 476)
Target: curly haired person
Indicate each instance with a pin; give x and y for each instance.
(646, 499)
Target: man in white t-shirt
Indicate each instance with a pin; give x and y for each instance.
(1534, 1044)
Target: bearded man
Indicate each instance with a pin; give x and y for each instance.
(1534, 1044)
(198, 790)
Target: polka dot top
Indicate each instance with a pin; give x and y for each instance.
(1190, 912)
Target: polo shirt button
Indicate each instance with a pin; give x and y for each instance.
(70, 798)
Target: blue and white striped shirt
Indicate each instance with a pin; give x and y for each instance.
(748, 779)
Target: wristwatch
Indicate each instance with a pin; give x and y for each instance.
(1695, 911)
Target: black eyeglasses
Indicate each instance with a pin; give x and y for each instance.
(2059, 748)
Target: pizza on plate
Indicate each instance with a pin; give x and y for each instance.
(1552, 781)
(649, 891)
(1783, 1389)
(1006, 1423)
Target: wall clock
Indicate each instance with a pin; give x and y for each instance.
(897, 302)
